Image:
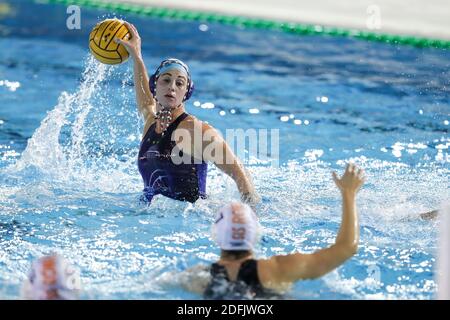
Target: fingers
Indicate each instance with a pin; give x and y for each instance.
(134, 29)
(360, 173)
(350, 167)
(131, 28)
(131, 40)
(128, 25)
(335, 176)
(336, 179)
(355, 171)
(361, 177)
(123, 42)
(351, 180)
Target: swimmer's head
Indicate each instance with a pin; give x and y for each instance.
(52, 278)
(236, 227)
(171, 84)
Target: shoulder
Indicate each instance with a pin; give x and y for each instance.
(193, 124)
(272, 271)
(190, 121)
(266, 270)
(269, 275)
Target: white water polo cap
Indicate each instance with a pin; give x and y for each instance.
(236, 227)
(52, 278)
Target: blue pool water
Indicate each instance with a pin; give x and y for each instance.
(69, 136)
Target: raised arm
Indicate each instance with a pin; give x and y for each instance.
(144, 98)
(293, 267)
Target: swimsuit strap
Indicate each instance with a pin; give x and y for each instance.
(175, 123)
(151, 132)
(248, 272)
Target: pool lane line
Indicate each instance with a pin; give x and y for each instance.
(288, 27)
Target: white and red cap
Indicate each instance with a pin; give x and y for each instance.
(236, 227)
(52, 278)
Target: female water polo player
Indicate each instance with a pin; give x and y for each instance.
(160, 100)
(239, 275)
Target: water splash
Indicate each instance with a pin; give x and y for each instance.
(71, 144)
(86, 148)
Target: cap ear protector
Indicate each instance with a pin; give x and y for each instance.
(154, 78)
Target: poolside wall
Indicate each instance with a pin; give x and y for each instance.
(429, 19)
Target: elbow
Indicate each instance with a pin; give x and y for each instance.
(352, 249)
(348, 249)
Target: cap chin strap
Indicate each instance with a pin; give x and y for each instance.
(164, 115)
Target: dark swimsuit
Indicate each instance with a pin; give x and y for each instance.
(246, 286)
(184, 182)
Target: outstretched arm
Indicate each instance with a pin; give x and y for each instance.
(293, 267)
(199, 139)
(226, 161)
(144, 98)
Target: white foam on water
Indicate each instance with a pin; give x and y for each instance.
(60, 150)
(70, 153)
(443, 266)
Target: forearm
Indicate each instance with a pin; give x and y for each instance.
(348, 235)
(144, 98)
(243, 181)
(346, 244)
(237, 172)
(226, 161)
(347, 239)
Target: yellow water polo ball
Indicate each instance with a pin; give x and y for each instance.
(102, 44)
